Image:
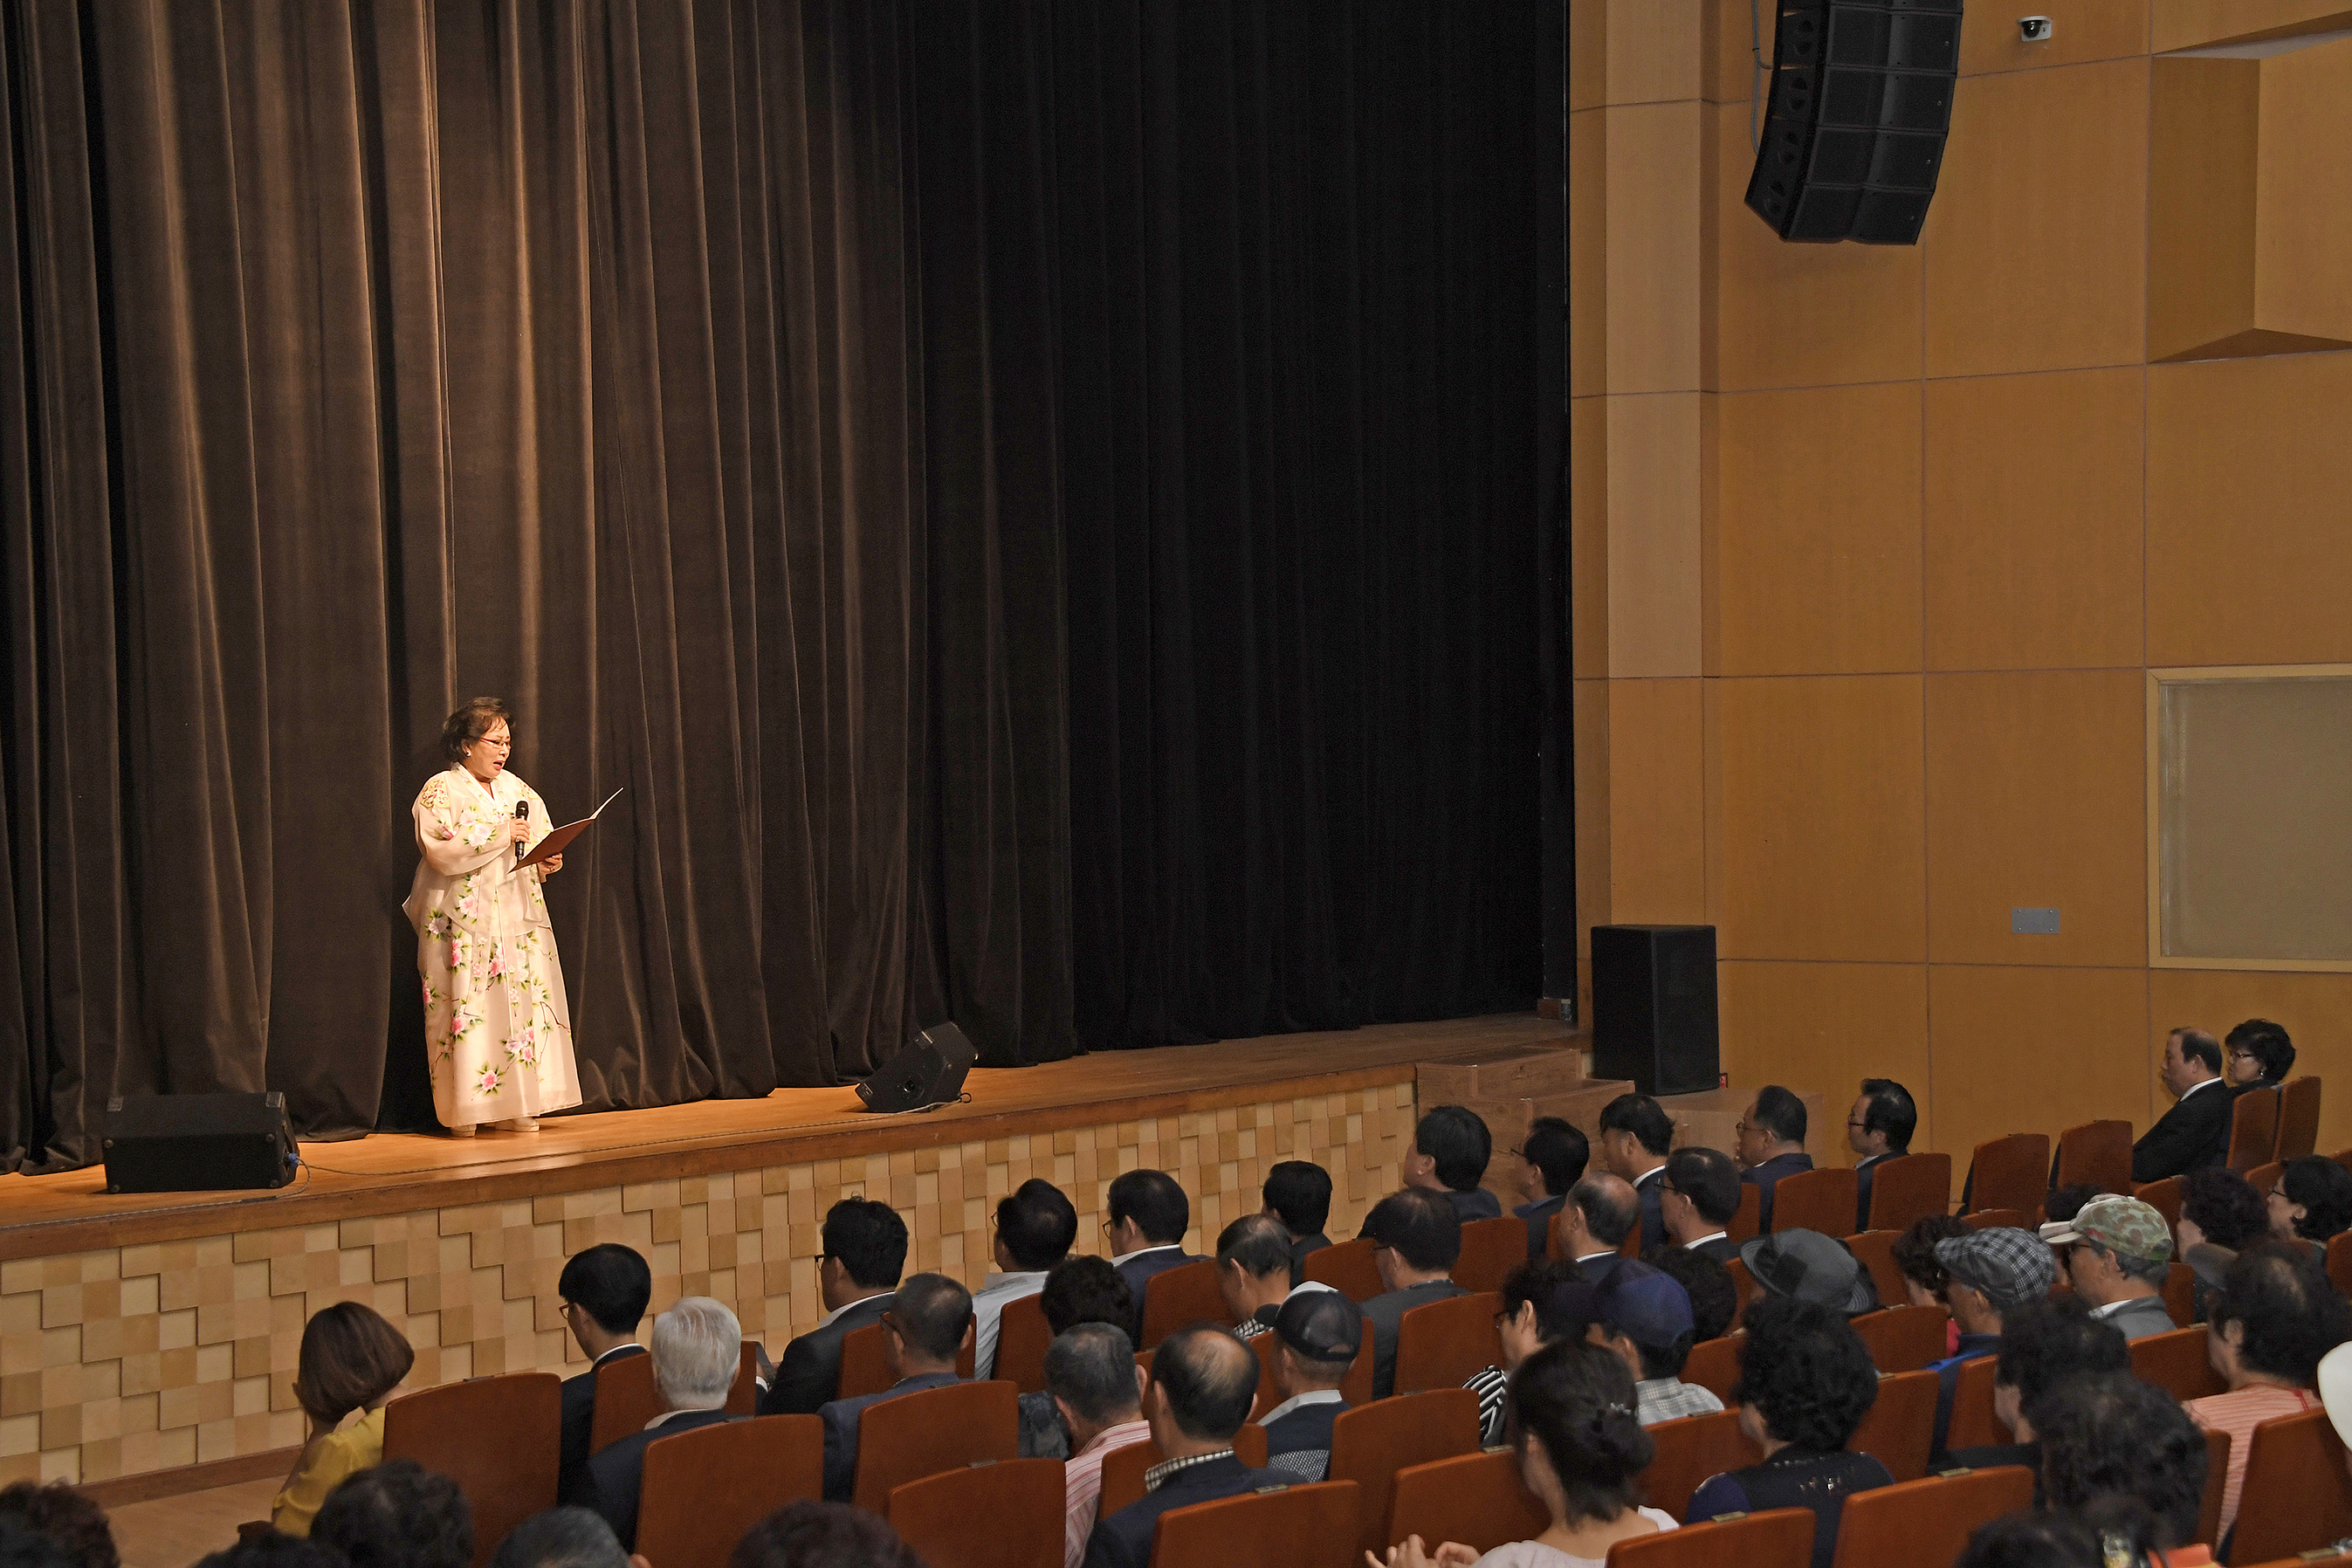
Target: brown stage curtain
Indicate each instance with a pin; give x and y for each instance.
(358, 356)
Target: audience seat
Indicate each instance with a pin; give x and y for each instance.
(497, 1437)
(1021, 1336)
(1973, 1424)
(1905, 1337)
(2163, 1197)
(2177, 1363)
(1743, 1284)
(2296, 1495)
(1998, 1219)
(1908, 1188)
(2098, 1153)
(1901, 1425)
(917, 1435)
(1875, 1250)
(1442, 1343)
(2262, 1178)
(1009, 1514)
(1748, 1220)
(1478, 1500)
(1927, 1522)
(2339, 1261)
(1713, 1365)
(1347, 1268)
(1822, 1200)
(2180, 1295)
(2011, 1172)
(1122, 1468)
(1632, 1245)
(1369, 1446)
(2343, 1157)
(1490, 1249)
(2253, 1131)
(1188, 1294)
(2298, 1130)
(865, 1366)
(2216, 1482)
(704, 1490)
(1689, 1450)
(626, 1398)
(1297, 1527)
(1783, 1538)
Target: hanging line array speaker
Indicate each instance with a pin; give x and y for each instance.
(1855, 127)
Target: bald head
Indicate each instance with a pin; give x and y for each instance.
(1208, 1379)
(1609, 1206)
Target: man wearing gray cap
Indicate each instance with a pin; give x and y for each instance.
(1321, 1332)
(2117, 1252)
(1813, 1268)
(1990, 1272)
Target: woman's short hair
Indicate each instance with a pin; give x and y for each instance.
(1086, 1290)
(2289, 1314)
(2224, 1206)
(469, 723)
(2267, 1043)
(1714, 1298)
(1915, 1250)
(2033, 1541)
(561, 1537)
(1539, 1279)
(823, 1535)
(697, 1350)
(397, 1514)
(1806, 1370)
(2112, 1438)
(2324, 1188)
(1575, 1401)
(351, 1356)
(67, 1517)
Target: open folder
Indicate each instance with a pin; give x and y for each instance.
(558, 838)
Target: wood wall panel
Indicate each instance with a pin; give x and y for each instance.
(2303, 234)
(2036, 790)
(2081, 30)
(1730, 46)
(1653, 55)
(2192, 24)
(1588, 536)
(2035, 1050)
(1653, 534)
(2034, 520)
(2204, 127)
(1657, 817)
(1651, 204)
(1815, 792)
(1590, 715)
(2036, 248)
(2248, 550)
(1588, 53)
(1816, 532)
(2315, 1009)
(1827, 1026)
(1587, 254)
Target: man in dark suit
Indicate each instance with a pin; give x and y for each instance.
(603, 1291)
(1879, 1129)
(1148, 1216)
(1771, 1145)
(864, 1251)
(1551, 1159)
(923, 1335)
(1321, 1332)
(1416, 1240)
(1298, 1194)
(698, 1348)
(1636, 1136)
(1701, 1196)
(1599, 1214)
(1203, 1383)
(1451, 1148)
(2196, 1131)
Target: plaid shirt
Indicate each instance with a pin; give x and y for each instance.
(1669, 1399)
(1158, 1473)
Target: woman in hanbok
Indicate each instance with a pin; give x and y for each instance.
(498, 1031)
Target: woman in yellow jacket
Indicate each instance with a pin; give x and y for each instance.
(352, 1361)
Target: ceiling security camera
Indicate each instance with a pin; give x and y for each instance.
(2034, 29)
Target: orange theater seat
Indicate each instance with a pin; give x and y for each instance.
(1440, 1345)
(1297, 1527)
(1903, 1339)
(2216, 1482)
(1490, 1249)
(2298, 1130)
(1743, 1284)
(1713, 1365)
(495, 1437)
(1122, 1468)
(1478, 1500)
(2011, 1172)
(1347, 1268)
(1369, 1446)
(2163, 1197)
(1177, 1297)
(2180, 1295)
(1997, 1219)
(1901, 1425)
(1910, 1188)
(1689, 1450)
(1748, 1220)
(704, 1490)
(865, 1366)
(2177, 1363)
(1021, 1336)
(1875, 1250)
(2298, 1495)
(2339, 1261)
(1822, 1200)
(917, 1435)
(1973, 1424)
(1783, 1538)
(2098, 1153)
(1005, 1515)
(1928, 1521)
(2253, 1130)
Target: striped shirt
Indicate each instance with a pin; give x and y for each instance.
(2239, 1414)
(1082, 1485)
(1490, 1386)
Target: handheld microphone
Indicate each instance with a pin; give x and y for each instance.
(522, 814)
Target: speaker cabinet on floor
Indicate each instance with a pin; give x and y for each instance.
(198, 1142)
(1654, 1017)
(927, 1070)
(1853, 135)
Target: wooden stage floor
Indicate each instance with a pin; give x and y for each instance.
(392, 1173)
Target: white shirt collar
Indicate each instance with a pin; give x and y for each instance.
(1605, 1252)
(2193, 1087)
(2112, 1308)
(666, 1415)
(878, 1296)
(1306, 1285)
(616, 1350)
(1297, 1401)
(1021, 1279)
(1657, 1170)
(1155, 1246)
(1710, 1236)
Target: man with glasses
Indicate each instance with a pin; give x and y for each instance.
(1700, 1196)
(1636, 1136)
(1036, 1224)
(1879, 1129)
(2117, 1252)
(1771, 1144)
(864, 1252)
(924, 1330)
(1552, 1161)
(604, 1291)
(1416, 1238)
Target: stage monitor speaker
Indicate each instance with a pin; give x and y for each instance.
(198, 1142)
(1653, 1016)
(1853, 133)
(927, 1070)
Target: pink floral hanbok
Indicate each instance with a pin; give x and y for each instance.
(498, 1031)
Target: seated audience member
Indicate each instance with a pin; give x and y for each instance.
(823, 1535)
(1811, 1267)
(1698, 1198)
(1714, 1298)
(2034, 1540)
(864, 1252)
(1148, 1216)
(1416, 1240)
(1923, 1278)
(1093, 1380)
(1599, 1214)
(1771, 1144)
(2196, 1131)
(1254, 1272)
(397, 1515)
(1988, 1273)
(1203, 1383)
(1879, 1129)
(22, 1546)
(1534, 1315)
(1321, 1332)
(2310, 1202)
(1551, 1159)
(68, 1520)
(562, 1537)
(2274, 1318)
(2123, 1453)
(2220, 1216)
(351, 1360)
(1081, 1290)
(1636, 1135)
(2257, 1054)
(1805, 1384)
(698, 1348)
(2116, 1252)
(273, 1550)
(1644, 1315)
(1298, 1194)
(1035, 1226)
(2042, 1344)
(923, 1335)
(1451, 1147)
(603, 1291)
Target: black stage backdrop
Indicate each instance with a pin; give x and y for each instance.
(1043, 505)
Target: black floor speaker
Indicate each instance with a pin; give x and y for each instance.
(198, 1142)
(927, 1070)
(1653, 1016)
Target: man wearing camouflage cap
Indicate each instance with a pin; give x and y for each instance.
(1990, 1272)
(2117, 1252)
